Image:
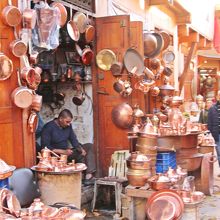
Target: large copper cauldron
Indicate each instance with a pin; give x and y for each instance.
(178, 141)
(122, 115)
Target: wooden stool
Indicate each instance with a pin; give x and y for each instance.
(137, 192)
(116, 183)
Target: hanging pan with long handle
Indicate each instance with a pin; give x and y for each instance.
(72, 28)
(11, 15)
(18, 47)
(134, 64)
(21, 96)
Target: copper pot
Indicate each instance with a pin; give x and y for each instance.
(32, 122)
(191, 163)
(63, 12)
(36, 102)
(187, 152)
(6, 67)
(189, 140)
(30, 77)
(87, 56)
(11, 15)
(89, 33)
(79, 98)
(169, 142)
(146, 149)
(22, 97)
(157, 185)
(146, 142)
(138, 177)
(166, 90)
(18, 48)
(138, 165)
(72, 28)
(13, 204)
(122, 115)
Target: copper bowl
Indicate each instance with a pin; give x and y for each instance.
(191, 163)
(157, 185)
(138, 177)
(138, 165)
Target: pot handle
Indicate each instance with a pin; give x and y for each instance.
(212, 159)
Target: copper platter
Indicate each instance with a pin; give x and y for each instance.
(79, 168)
(169, 203)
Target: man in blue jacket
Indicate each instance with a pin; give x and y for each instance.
(214, 124)
(58, 133)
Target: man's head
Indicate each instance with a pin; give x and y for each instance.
(65, 118)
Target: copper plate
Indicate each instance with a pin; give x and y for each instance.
(105, 58)
(133, 60)
(3, 195)
(6, 67)
(169, 203)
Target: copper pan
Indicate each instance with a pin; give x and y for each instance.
(22, 97)
(116, 68)
(30, 77)
(134, 62)
(72, 28)
(6, 67)
(89, 33)
(63, 12)
(81, 21)
(18, 48)
(166, 39)
(11, 15)
(105, 58)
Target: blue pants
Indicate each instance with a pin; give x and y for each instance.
(217, 147)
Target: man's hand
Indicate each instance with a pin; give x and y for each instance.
(83, 152)
(69, 151)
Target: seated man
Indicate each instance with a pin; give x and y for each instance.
(56, 135)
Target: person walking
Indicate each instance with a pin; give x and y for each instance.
(214, 124)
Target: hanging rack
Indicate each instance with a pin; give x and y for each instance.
(75, 8)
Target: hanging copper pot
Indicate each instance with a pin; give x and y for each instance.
(18, 48)
(63, 12)
(6, 67)
(79, 98)
(122, 115)
(36, 102)
(22, 97)
(81, 21)
(11, 15)
(32, 122)
(89, 33)
(30, 77)
(72, 28)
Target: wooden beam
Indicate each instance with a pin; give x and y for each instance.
(193, 37)
(202, 41)
(186, 66)
(183, 30)
(158, 2)
(184, 19)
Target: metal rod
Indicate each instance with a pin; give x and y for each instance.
(75, 8)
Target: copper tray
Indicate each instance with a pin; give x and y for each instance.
(77, 170)
(168, 201)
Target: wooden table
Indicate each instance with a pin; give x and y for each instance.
(140, 192)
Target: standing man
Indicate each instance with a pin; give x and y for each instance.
(214, 124)
(58, 133)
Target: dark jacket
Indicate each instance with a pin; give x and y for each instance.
(213, 122)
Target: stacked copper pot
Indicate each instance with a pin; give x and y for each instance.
(148, 147)
(139, 169)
